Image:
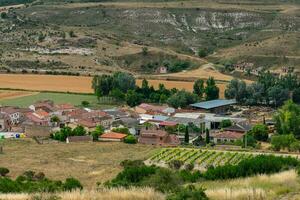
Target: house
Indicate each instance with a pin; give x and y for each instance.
(117, 113)
(40, 118)
(4, 122)
(13, 113)
(158, 137)
(241, 127)
(112, 137)
(162, 70)
(46, 105)
(219, 106)
(83, 138)
(145, 108)
(227, 136)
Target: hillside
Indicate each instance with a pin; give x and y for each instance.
(139, 36)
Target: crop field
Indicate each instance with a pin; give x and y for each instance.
(11, 94)
(25, 101)
(77, 84)
(200, 158)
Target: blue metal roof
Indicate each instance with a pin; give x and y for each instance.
(214, 103)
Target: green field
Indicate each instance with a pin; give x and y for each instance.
(201, 158)
(74, 99)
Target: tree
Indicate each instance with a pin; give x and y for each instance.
(260, 132)
(199, 88)
(132, 98)
(189, 193)
(72, 184)
(287, 119)
(117, 94)
(237, 89)
(85, 103)
(102, 85)
(145, 51)
(277, 95)
(145, 88)
(267, 80)
(72, 34)
(182, 99)
(279, 142)
(123, 81)
(79, 131)
(211, 90)
(186, 135)
(296, 95)
(202, 53)
(99, 130)
(255, 93)
(3, 15)
(130, 139)
(207, 137)
(55, 119)
(3, 171)
(225, 123)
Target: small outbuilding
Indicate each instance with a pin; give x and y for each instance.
(112, 137)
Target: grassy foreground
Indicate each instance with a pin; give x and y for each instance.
(88, 162)
(260, 187)
(112, 194)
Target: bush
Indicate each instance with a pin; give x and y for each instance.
(188, 176)
(175, 164)
(226, 123)
(260, 132)
(132, 163)
(262, 164)
(3, 171)
(121, 130)
(72, 184)
(130, 139)
(189, 193)
(85, 103)
(189, 166)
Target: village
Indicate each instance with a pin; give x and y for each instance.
(224, 122)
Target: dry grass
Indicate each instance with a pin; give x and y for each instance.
(111, 194)
(88, 162)
(257, 188)
(208, 4)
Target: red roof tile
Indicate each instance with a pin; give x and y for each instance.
(113, 135)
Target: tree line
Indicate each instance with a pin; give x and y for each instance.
(267, 90)
(122, 86)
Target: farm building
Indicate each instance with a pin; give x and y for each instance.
(112, 137)
(227, 136)
(218, 106)
(145, 108)
(158, 137)
(241, 127)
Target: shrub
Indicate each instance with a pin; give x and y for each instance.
(3, 171)
(189, 193)
(175, 164)
(130, 139)
(189, 166)
(262, 164)
(226, 123)
(72, 184)
(121, 130)
(132, 163)
(295, 146)
(260, 132)
(188, 176)
(85, 103)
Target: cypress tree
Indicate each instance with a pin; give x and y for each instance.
(186, 136)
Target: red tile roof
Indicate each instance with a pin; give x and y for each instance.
(41, 114)
(229, 135)
(64, 106)
(113, 135)
(165, 123)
